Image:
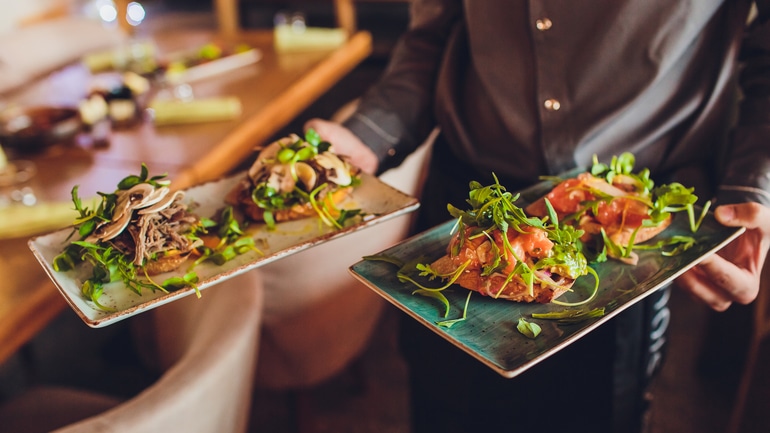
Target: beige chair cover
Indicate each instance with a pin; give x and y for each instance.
(209, 348)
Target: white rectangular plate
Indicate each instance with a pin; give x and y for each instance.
(375, 198)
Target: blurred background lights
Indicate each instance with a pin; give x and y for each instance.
(107, 10)
(135, 13)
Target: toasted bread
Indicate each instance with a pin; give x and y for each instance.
(166, 263)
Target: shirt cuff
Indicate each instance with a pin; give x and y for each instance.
(382, 143)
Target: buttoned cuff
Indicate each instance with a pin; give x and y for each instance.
(382, 143)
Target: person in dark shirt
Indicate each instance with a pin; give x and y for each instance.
(531, 88)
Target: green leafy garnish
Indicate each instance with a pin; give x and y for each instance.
(661, 201)
(528, 329)
(451, 322)
(110, 260)
(424, 270)
(493, 208)
(232, 240)
(130, 181)
(570, 316)
(177, 283)
(270, 200)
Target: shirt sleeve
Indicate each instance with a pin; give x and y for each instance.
(396, 114)
(747, 175)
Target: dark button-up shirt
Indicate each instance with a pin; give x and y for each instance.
(529, 88)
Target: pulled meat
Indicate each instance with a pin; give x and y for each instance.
(158, 232)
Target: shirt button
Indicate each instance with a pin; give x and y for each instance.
(543, 24)
(552, 105)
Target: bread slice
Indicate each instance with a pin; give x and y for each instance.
(167, 263)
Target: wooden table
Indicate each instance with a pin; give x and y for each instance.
(272, 92)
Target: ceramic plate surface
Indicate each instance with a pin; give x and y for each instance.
(489, 332)
(377, 199)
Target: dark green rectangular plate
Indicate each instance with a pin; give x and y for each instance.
(489, 332)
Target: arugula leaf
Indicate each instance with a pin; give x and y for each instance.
(435, 295)
(452, 322)
(528, 329)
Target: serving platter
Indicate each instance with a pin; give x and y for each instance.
(379, 201)
(489, 332)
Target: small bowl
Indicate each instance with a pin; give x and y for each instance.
(33, 129)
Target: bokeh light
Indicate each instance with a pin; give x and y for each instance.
(107, 10)
(135, 13)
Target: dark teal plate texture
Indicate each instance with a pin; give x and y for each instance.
(489, 332)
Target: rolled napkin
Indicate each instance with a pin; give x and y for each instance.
(18, 221)
(172, 111)
(214, 67)
(137, 56)
(289, 38)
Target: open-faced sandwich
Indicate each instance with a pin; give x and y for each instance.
(141, 229)
(616, 207)
(499, 251)
(295, 178)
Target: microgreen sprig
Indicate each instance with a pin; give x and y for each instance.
(232, 240)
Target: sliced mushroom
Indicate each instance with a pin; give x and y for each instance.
(337, 170)
(280, 178)
(110, 229)
(306, 174)
(154, 197)
(162, 204)
(134, 195)
(269, 153)
(122, 208)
